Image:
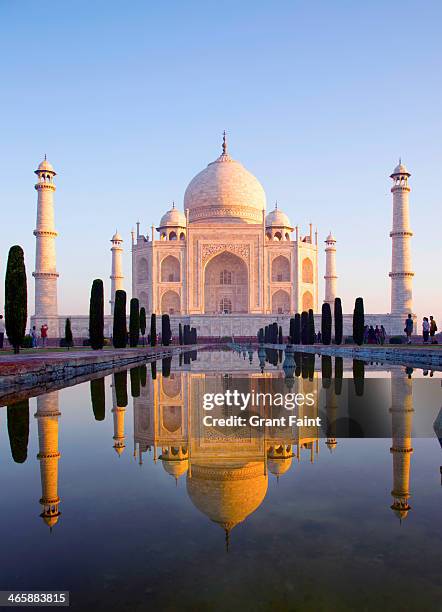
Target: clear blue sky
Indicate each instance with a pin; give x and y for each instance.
(129, 101)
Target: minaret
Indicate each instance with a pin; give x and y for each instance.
(116, 276)
(401, 425)
(45, 265)
(330, 270)
(401, 274)
(48, 455)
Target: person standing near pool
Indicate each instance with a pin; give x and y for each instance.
(433, 330)
(44, 334)
(408, 328)
(2, 331)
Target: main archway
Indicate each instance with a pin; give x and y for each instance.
(226, 285)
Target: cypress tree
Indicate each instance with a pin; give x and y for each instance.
(338, 321)
(326, 323)
(297, 329)
(266, 334)
(261, 335)
(153, 369)
(358, 321)
(292, 331)
(18, 430)
(280, 336)
(120, 325)
(143, 323)
(135, 381)
(68, 339)
(186, 334)
(16, 297)
(134, 322)
(120, 382)
(96, 315)
(275, 333)
(304, 327)
(180, 334)
(98, 398)
(166, 334)
(153, 329)
(311, 327)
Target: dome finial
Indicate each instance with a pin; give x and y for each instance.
(224, 143)
(173, 204)
(276, 204)
(45, 157)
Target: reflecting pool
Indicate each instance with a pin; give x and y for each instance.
(115, 490)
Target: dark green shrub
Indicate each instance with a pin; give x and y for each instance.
(153, 329)
(96, 315)
(166, 333)
(326, 323)
(397, 340)
(68, 338)
(311, 327)
(120, 325)
(358, 321)
(304, 327)
(134, 322)
(16, 297)
(339, 322)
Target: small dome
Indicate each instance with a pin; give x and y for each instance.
(279, 466)
(46, 166)
(330, 238)
(277, 218)
(174, 218)
(116, 238)
(400, 169)
(176, 468)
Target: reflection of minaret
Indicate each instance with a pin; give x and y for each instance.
(401, 426)
(118, 412)
(47, 415)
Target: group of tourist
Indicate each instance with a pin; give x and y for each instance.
(374, 335)
(429, 329)
(43, 335)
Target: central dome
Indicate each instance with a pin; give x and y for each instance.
(225, 192)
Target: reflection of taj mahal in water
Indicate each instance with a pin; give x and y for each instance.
(226, 469)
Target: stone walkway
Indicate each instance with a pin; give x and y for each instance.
(41, 367)
(418, 356)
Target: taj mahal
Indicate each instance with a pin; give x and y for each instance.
(225, 265)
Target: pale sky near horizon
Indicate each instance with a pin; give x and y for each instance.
(129, 102)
